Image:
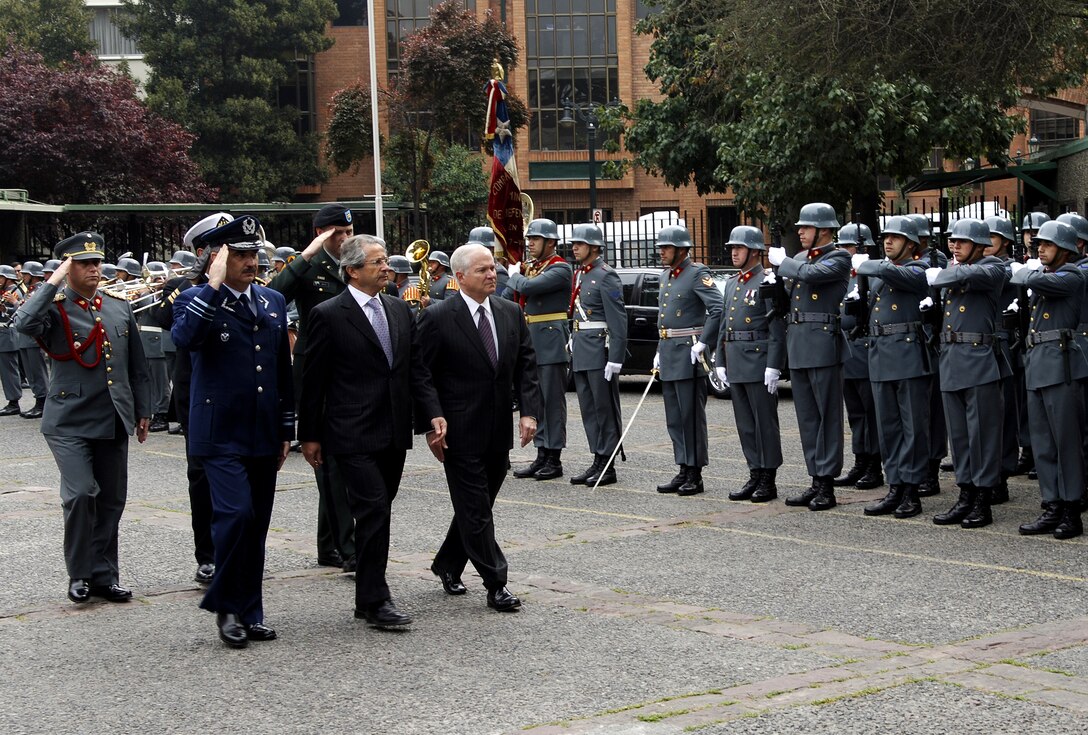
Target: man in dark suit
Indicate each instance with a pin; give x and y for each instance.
(362, 371)
(479, 353)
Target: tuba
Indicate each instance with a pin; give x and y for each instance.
(417, 255)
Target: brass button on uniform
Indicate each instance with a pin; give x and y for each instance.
(259, 368)
(258, 348)
(260, 389)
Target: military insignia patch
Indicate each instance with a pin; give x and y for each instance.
(347, 216)
(224, 336)
(249, 226)
(708, 281)
(59, 297)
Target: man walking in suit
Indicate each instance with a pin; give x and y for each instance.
(241, 417)
(480, 355)
(99, 396)
(363, 373)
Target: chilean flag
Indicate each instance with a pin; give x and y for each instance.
(504, 194)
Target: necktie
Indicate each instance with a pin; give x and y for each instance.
(381, 328)
(244, 301)
(484, 325)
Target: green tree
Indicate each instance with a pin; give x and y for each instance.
(218, 69)
(56, 29)
(349, 138)
(787, 102)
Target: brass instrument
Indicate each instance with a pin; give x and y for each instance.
(417, 254)
(527, 211)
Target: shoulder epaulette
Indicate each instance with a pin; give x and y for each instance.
(411, 294)
(451, 285)
(114, 296)
(59, 297)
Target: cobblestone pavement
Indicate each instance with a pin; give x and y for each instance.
(642, 613)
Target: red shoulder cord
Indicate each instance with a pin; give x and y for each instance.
(578, 285)
(522, 298)
(96, 338)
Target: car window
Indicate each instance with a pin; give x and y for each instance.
(651, 290)
(628, 280)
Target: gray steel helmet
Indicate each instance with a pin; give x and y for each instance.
(183, 259)
(1059, 233)
(481, 236)
(973, 230)
(108, 271)
(400, 264)
(158, 268)
(51, 265)
(34, 268)
(902, 225)
(284, 254)
(6, 271)
(177, 257)
(819, 215)
(542, 228)
(1034, 220)
(1001, 226)
(263, 261)
(848, 235)
(437, 256)
(130, 266)
(674, 235)
(921, 225)
(746, 236)
(1078, 223)
(588, 233)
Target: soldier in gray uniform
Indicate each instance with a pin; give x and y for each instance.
(1080, 226)
(438, 266)
(751, 353)
(486, 236)
(1054, 366)
(857, 394)
(9, 352)
(687, 320)
(598, 349)
(816, 283)
(900, 366)
(1031, 224)
(128, 270)
(29, 352)
(544, 291)
(98, 397)
(970, 365)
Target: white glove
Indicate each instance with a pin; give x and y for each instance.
(854, 295)
(1016, 267)
(1034, 263)
(857, 259)
(1030, 294)
(720, 372)
(1014, 307)
(514, 269)
(770, 379)
(612, 368)
(570, 344)
(696, 350)
(769, 277)
(657, 361)
(926, 303)
(931, 275)
(776, 255)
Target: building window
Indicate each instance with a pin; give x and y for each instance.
(352, 13)
(298, 93)
(571, 54)
(402, 18)
(110, 40)
(1053, 129)
(643, 9)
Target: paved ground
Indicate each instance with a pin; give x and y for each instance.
(643, 613)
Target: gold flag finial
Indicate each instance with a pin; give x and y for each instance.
(496, 70)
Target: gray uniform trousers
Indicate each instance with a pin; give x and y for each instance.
(903, 407)
(598, 399)
(551, 430)
(756, 414)
(971, 415)
(9, 375)
(685, 417)
(34, 366)
(857, 394)
(1059, 462)
(817, 399)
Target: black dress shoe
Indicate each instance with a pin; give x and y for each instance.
(158, 423)
(861, 464)
(502, 600)
(888, 503)
(450, 583)
(11, 409)
(591, 471)
(607, 476)
(260, 632)
(960, 509)
(804, 497)
(383, 615)
(332, 560)
(694, 484)
(112, 592)
(674, 484)
(231, 630)
(79, 590)
(32, 413)
(533, 466)
(350, 564)
(552, 467)
(747, 489)
(204, 573)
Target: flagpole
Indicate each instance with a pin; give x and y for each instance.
(379, 218)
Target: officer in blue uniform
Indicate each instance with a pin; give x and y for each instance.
(242, 417)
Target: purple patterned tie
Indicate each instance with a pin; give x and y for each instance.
(484, 325)
(381, 328)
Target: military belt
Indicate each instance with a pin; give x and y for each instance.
(685, 332)
(977, 338)
(1051, 335)
(801, 317)
(555, 316)
(150, 329)
(883, 330)
(584, 326)
(746, 335)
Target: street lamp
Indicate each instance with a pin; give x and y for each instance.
(587, 113)
(1033, 145)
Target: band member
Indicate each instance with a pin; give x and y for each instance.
(687, 319)
(9, 350)
(598, 349)
(543, 291)
(30, 354)
(751, 355)
(98, 397)
(242, 417)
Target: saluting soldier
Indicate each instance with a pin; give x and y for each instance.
(29, 352)
(598, 349)
(816, 283)
(308, 280)
(687, 320)
(544, 292)
(900, 366)
(1054, 366)
(9, 350)
(1080, 226)
(750, 358)
(438, 267)
(1031, 224)
(99, 396)
(971, 370)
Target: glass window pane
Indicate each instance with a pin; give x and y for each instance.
(548, 96)
(582, 88)
(422, 9)
(596, 6)
(547, 40)
(534, 133)
(562, 36)
(530, 41)
(613, 84)
(564, 82)
(596, 35)
(580, 36)
(566, 137)
(547, 7)
(404, 8)
(578, 6)
(562, 6)
(548, 130)
(611, 34)
(530, 6)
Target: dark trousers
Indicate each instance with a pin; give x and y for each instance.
(335, 531)
(857, 394)
(599, 401)
(973, 417)
(756, 416)
(1010, 427)
(36, 375)
(1055, 414)
(474, 481)
(902, 410)
(160, 384)
(552, 426)
(93, 490)
(9, 375)
(685, 416)
(242, 490)
(938, 430)
(372, 481)
(817, 399)
(200, 504)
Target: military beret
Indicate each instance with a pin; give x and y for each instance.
(81, 246)
(208, 223)
(243, 233)
(332, 215)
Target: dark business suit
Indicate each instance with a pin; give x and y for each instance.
(475, 398)
(357, 406)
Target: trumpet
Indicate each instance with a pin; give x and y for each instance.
(417, 254)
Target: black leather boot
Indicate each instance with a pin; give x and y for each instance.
(1001, 492)
(1071, 525)
(746, 490)
(825, 494)
(1025, 463)
(873, 476)
(804, 497)
(552, 467)
(11, 409)
(861, 463)
(911, 505)
(766, 491)
(536, 464)
(36, 411)
(158, 423)
(931, 485)
(607, 475)
(887, 504)
(674, 484)
(693, 485)
(593, 469)
(980, 514)
(1045, 523)
(959, 511)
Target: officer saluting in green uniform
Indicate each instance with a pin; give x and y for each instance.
(99, 395)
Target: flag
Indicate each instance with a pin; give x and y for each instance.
(504, 194)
